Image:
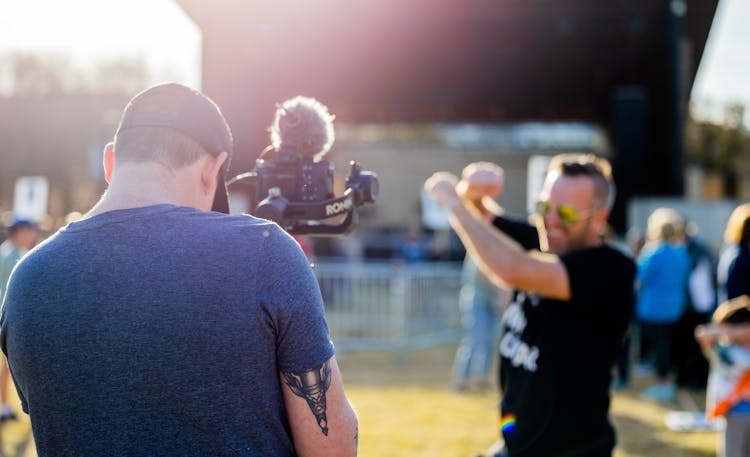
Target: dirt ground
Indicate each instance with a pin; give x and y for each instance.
(640, 424)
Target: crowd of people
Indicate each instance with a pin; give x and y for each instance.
(165, 327)
(680, 283)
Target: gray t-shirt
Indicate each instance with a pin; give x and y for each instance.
(161, 331)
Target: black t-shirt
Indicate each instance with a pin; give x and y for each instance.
(524, 234)
(556, 358)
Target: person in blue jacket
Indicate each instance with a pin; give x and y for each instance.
(663, 271)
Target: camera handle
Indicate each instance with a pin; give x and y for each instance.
(287, 214)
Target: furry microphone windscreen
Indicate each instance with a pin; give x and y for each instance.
(304, 126)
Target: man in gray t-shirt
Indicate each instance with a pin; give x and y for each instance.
(154, 326)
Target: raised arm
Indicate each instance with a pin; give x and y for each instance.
(499, 256)
(323, 422)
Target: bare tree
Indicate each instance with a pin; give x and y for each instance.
(120, 75)
(720, 146)
(24, 74)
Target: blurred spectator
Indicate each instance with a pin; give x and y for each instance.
(635, 241)
(663, 269)
(691, 366)
(481, 304)
(22, 236)
(413, 249)
(73, 216)
(630, 247)
(727, 344)
(734, 262)
(306, 244)
(644, 367)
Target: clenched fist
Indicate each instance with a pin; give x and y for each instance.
(442, 186)
(481, 179)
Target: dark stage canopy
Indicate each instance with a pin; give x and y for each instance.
(627, 65)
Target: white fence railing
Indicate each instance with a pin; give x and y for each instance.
(385, 306)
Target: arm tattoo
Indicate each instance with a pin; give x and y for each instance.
(356, 440)
(312, 385)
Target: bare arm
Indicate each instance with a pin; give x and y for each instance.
(707, 335)
(323, 422)
(500, 257)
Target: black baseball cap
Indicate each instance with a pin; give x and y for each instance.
(193, 114)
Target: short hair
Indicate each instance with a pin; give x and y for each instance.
(738, 226)
(665, 224)
(157, 144)
(734, 311)
(582, 164)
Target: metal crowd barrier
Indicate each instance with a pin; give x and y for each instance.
(391, 307)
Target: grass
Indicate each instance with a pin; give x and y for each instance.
(416, 422)
(642, 432)
(406, 408)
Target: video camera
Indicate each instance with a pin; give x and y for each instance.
(292, 185)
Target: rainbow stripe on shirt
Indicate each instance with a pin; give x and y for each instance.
(508, 423)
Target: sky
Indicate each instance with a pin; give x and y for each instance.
(157, 30)
(724, 73)
(161, 32)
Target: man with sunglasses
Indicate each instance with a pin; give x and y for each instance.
(575, 296)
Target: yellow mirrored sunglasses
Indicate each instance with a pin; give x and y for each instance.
(568, 214)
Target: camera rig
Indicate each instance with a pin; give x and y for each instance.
(292, 184)
(298, 195)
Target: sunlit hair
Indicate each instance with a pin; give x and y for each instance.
(302, 125)
(580, 164)
(665, 224)
(157, 144)
(738, 226)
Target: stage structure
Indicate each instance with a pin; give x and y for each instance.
(627, 65)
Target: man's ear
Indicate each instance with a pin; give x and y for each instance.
(108, 160)
(211, 169)
(600, 219)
